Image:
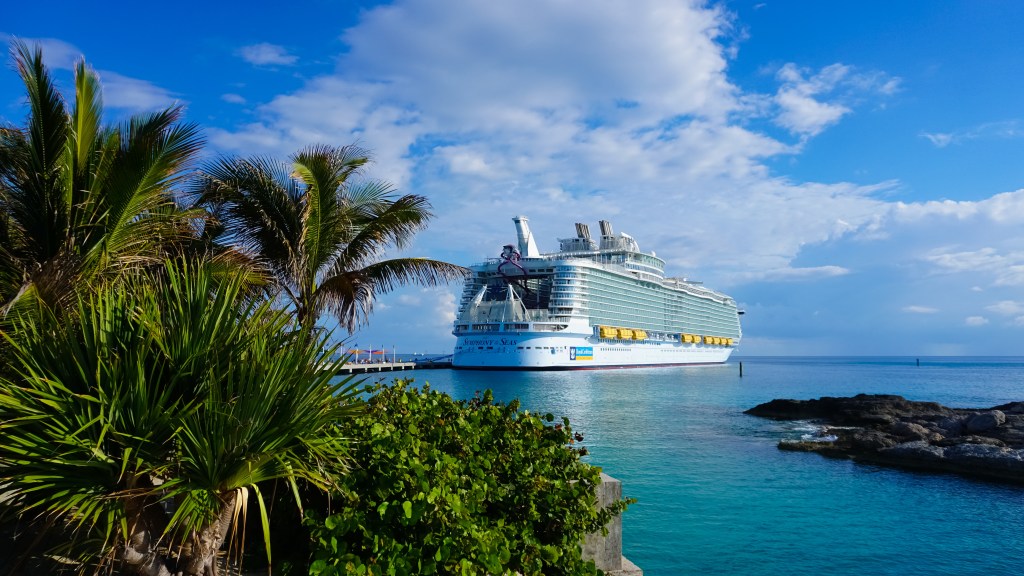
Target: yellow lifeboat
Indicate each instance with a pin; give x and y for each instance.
(625, 333)
(608, 332)
(639, 335)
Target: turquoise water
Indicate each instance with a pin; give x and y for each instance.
(715, 495)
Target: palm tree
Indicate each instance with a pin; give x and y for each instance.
(321, 230)
(83, 202)
(145, 420)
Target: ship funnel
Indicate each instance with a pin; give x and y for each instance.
(606, 228)
(527, 246)
(582, 231)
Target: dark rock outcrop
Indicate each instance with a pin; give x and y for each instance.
(891, 430)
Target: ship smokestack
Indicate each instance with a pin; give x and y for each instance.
(527, 246)
(606, 228)
(582, 231)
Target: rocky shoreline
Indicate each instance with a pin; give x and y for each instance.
(894, 431)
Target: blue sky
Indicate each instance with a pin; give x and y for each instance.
(852, 173)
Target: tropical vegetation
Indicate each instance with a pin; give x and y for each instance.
(163, 377)
(82, 203)
(440, 486)
(146, 420)
(321, 229)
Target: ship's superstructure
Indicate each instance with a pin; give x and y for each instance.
(592, 304)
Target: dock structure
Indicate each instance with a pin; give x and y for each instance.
(350, 368)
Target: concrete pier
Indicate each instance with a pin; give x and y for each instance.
(606, 551)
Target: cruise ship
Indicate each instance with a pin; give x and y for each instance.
(593, 304)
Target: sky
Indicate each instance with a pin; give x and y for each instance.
(851, 173)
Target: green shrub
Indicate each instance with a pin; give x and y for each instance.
(440, 486)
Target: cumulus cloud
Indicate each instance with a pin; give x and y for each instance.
(975, 321)
(920, 309)
(233, 98)
(264, 54)
(488, 109)
(801, 98)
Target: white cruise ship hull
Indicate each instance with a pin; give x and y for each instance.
(539, 351)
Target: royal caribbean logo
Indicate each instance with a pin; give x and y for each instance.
(581, 353)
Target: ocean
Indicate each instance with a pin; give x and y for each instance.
(715, 495)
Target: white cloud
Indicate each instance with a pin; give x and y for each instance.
(1007, 308)
(410, 299)
(975, 321)
(939, 139)
(57, 54)
(233, 98)
(1006, 268)
(801, 97)
(920, 309)
(1006, 208)
(264, 54)
(119, 91)
(133, 94)
(801, 274)
(987, 131)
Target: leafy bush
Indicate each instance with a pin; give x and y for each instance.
(440, 486)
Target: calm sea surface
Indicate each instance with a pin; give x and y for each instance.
(715, 495)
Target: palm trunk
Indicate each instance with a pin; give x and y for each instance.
(196, 557)
(147, 522)
(199, 557)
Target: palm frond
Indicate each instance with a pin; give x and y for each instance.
(350, 295)
(86, 130)
(152, 157)
(388, 224)
(37, 200)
